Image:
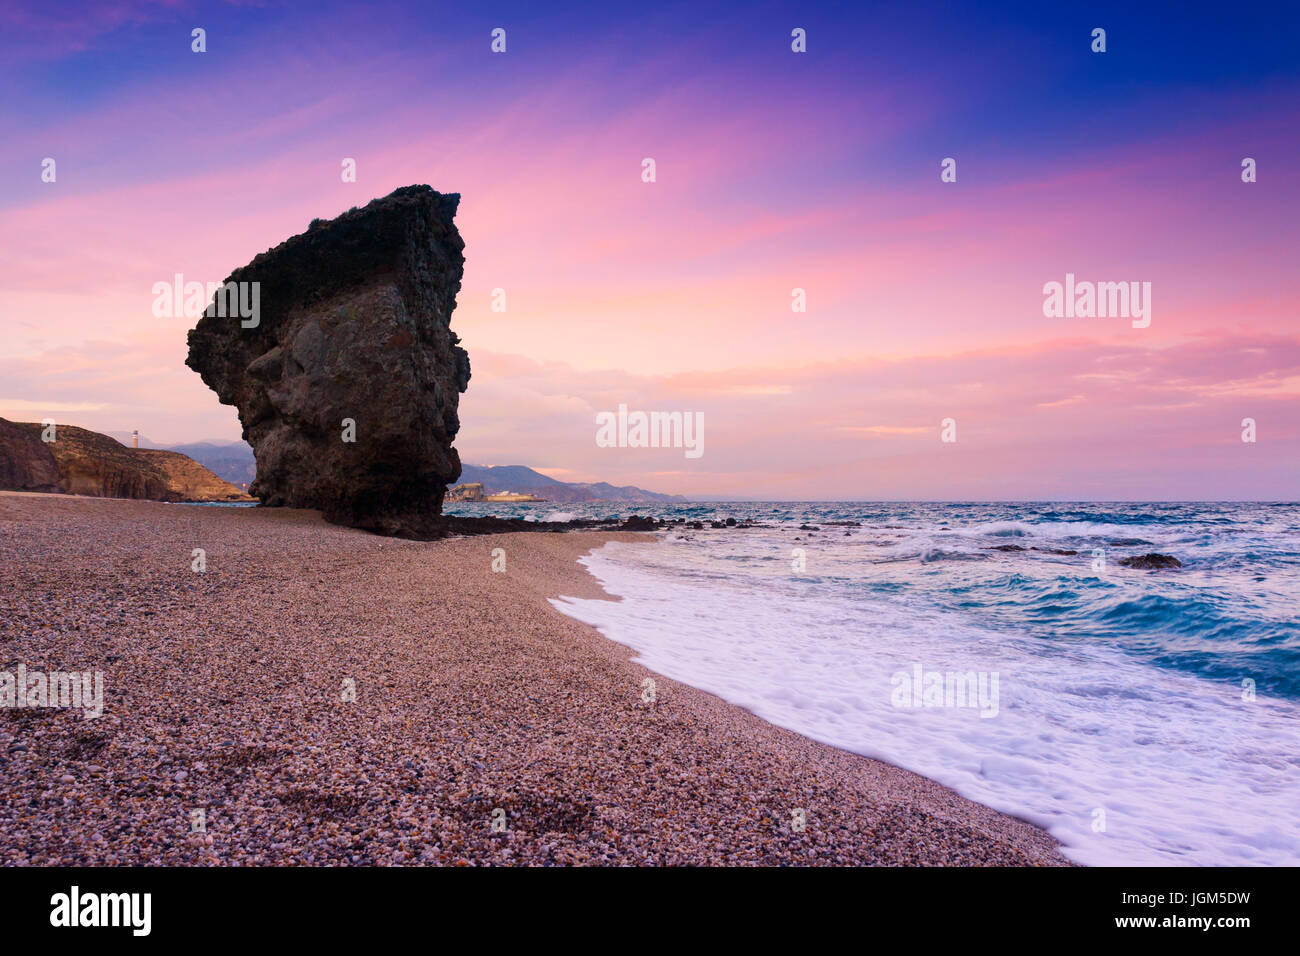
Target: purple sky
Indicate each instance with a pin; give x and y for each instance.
(775, 171)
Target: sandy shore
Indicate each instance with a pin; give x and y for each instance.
(224, 692)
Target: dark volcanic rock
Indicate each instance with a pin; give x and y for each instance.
(639, 523)
(354, 324)
(492, 524)
(1151, 562)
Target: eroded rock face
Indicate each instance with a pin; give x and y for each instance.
(354, 325)
(82, 462)
(26, 462)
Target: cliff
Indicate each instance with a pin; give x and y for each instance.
(82, 462)
(26, 462)
(348, 384)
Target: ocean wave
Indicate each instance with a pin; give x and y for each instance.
(1079, 728)
(931, 555)
(1124, 690)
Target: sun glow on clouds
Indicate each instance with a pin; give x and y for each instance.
(19, 407)
(886, 429)
(924, 299)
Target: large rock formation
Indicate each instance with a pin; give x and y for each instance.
(82, 462)
(354, 327)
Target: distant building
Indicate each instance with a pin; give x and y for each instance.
(473, 491)
(135, 439)
(511, 496)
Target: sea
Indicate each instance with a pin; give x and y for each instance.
(1141, 717)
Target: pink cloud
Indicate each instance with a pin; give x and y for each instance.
(1099, 419)
(924, 300)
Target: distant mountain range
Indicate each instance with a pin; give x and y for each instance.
(523, 480)
(234, 462)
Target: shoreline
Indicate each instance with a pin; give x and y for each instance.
(224, 694)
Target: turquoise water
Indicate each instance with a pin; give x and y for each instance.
(1231, 612)
(1141, 717)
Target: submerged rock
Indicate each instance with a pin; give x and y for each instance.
(639, 523)
(1151, 562)
(348, 383)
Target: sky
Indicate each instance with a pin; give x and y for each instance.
(775, 170)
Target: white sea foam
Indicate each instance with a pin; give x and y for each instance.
(1183, 769)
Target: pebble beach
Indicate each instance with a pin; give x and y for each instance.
(318, 695)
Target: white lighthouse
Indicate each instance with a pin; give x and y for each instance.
(135, 438)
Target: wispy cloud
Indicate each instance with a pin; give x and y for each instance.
(774, 174)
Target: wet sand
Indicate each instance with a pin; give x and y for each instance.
(227, 692)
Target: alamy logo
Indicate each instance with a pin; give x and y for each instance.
(923, 688)
(82, 691)
(225, 299)
(103, 909)
(1098, 300)
(624, 429)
